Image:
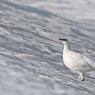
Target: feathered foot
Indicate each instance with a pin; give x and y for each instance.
(80, 77)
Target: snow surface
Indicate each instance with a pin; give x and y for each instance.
(30, 52)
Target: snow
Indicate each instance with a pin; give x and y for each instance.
(31, 53)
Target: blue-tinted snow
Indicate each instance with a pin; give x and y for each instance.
(30, 52)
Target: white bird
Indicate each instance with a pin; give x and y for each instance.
(76, 61)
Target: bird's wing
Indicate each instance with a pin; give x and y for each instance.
(79, 58)
(82, 64)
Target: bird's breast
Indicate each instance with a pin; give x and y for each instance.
(68, 62)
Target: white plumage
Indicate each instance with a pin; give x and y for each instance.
(75, 61)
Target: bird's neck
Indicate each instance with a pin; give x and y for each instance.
(66, 46)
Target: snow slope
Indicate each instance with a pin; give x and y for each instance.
(30, 52)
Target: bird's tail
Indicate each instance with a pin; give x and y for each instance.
(90, 62)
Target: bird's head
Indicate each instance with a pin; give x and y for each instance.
(63, 40)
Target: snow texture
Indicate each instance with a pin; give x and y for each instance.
(31, 53)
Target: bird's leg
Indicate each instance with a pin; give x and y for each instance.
(80, 76)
